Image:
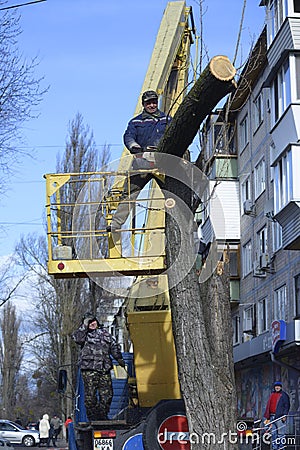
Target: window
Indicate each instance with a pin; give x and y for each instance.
(262, 241)
(262, 316)
(277, 13)
(277, 236)
(221, 137)
(283, 181)
(247, 258)
(245, 191)
(234, 263)
(244, 138)
(236, 329)
(297, 77)
(249, 320)
(258, 111)
(297, 295)
(297, 6)
(259, 178)
(7, 427)
(281, 90)
(280, 304)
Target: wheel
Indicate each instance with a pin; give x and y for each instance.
(166, 421)
(28, 441)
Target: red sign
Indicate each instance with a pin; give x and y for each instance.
(173, 433)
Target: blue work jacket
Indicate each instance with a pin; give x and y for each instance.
(145, 130)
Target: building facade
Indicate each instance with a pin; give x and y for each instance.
(251, 156)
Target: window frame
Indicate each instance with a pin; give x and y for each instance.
(259, 178)
(244, 132)
(258, 111)
(277, 236)
(298, 6)
(283, 178)
(246, 193)
(247, 266)
(249, 316)
(262, 241)
(281, 91)
(280, 303)
(236, 325)
(297, 295)
(262, 315)
(277, 12)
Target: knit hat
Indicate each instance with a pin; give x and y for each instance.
(277, 383)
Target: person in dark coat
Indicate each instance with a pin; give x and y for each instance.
(52, 436)
(141, 138)
(276, 412)
(97, 346)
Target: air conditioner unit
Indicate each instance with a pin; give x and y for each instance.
(257, 270)
(248, 206)
(264, 261)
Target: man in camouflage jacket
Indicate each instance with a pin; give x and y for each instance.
(97, 347)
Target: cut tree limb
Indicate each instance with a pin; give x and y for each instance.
(201, 315)
(215, 82)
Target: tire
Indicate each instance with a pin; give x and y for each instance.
(28, 441)
(131, 439)
(155, 419)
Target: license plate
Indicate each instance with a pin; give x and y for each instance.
(103, 444)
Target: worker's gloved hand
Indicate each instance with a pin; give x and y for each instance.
(149, 156)
(121, 362)
(136, 149)
(86, 322)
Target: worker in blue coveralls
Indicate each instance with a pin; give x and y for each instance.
(141, 138)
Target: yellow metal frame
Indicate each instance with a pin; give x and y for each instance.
(154, 356)
(65, 244)
(149, 317)
(148, 311)
(168, 68)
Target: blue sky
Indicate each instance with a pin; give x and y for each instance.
(94, 55)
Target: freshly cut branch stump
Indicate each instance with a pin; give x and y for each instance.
(216, 81)
(221, 68)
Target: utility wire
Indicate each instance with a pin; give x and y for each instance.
(22, 4)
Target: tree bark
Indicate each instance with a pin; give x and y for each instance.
(11, 355)
(216, 81)
(201, 312)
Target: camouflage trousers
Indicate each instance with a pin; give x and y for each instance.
(98, 394)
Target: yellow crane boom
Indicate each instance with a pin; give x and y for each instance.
(73, 250)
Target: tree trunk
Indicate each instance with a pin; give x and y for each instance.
(10, 358)
(214, 83)
(201, 312)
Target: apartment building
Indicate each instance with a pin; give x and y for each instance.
(251, 156)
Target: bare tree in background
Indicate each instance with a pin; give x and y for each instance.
(20, 92)
(9, 280)
(60, 304)
(10, 357)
